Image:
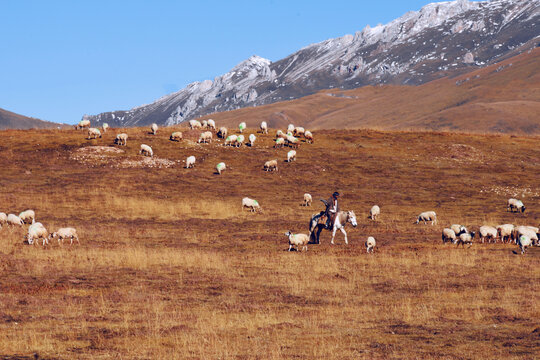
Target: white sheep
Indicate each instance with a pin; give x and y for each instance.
(220, 167)
(190, 162)
(82, 124)
(93, 133)
(154, 129)
(211, 124)
(297, 240)
(448, 235)
(291, 155)
(252, 139)
(251, 204)
(370, 244)
(271, 165)
(515, 204)
(280, 134)
(121, 139)
(465, 238)
(105, 126)
(13, 219)
(504, 232)
(241, 127)
(231, 140)
(204, 124)
(488, 233)
(240, 140)
(290, 128)
(292, 141)
(524, 242)
(37, 231)
(279, 143)
(264, 127)
(205, 137)
(222, 133)
(309, 136)
(3, 219)
(28, 216)
(146, 150)
(459, 229)
(65, 233)
(374, 212)
(528, 231)
(427, 216)
(299, 131)
(307, 199)
(176, 136)
(194, 124)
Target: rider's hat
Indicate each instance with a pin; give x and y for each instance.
(335, 193)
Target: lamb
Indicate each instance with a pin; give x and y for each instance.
(271, 165)
(3, 219)
(65, 233)
(309, 136)
(83, 124)
(279, 143)
(252, 139)
(374, 212)
(307, 199)
(93, 133)
(298, 131)
(205, 137)
(146, 150)
(488, 233)
(370, 244)
(297, 240)
(524, 242)
(241, 127)
(222, 133)
(264, 127)
(291, 155)
(251, 204)
(154, 128)
(231, 140)
(514, 204)
(121, 139)
(37, 231)
(458, 229)
(448, 235)
(105, 126)
(176, 136)
(28, 216)
(190, 162)
(13, 219)
(220, 167)
(240, 140)
(194, 124)
(211, 124)
(427, 216)
(465, 238)
(290, 128)
(504, 232)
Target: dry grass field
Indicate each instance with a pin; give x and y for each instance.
(170, 267)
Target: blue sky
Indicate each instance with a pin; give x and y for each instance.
(62, 59)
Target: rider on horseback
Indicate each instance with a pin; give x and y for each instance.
(332, 209)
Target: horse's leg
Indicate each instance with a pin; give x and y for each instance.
(319, 230)
(344, 233)
(333, 234)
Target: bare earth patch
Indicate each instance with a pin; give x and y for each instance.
(104, 155)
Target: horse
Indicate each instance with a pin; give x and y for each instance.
(342, 218)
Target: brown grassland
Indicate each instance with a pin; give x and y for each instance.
(170, 267)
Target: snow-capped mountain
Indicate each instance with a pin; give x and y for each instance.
(420, 46)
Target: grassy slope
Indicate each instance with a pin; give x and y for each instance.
(10, 120)
(494, 99)
(170, 267)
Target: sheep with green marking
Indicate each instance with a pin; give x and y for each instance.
(220, 167)
(297, 240)
(251, 204)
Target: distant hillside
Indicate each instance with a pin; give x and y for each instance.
(504, 97)
(10, 120)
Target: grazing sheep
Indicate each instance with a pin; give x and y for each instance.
(222, 133)
(211, 124)
(465, 238)
(298, 131)
(93, 133)
(524, 242)
(37, 231)
(153, 129)
(280, 134)
(427, 216)
(514, 204)
(309, 136)
(264, 127)
(105, 126)
(205, 137)
(291, 155)
(3, 219)
(65, 233)
(220, 167)
(176, 136)
(271, 165)
(28, 216)
(292, 141)
(194, 124)
(290, 128)
(190, 162)
(279, 143)
(146, 150)
(374, 212)
(121, 139)
(13, 219)
(252, 139)
(231, 140)
(83, 124)
(251, 204)
(204, 124)
(458, 229)
(370, 244)
(488, 233)
(504, 232)
(240, 140)
(297, 240)
(448, 235)
(528, 232)
(242, 127)
(307, 199)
